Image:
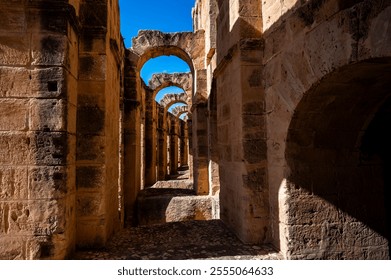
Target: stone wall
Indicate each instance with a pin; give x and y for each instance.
(38, 97)
(288, 116)
(315, 56)
(298, 89)
(61, 71)
(134, 108)
(241, 137)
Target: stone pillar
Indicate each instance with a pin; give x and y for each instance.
(38, 99)
(150, 140)
(174, 146)
(190, 148)
(162, 146)
(200, 148)
(98, 117)
(184, 156)
(244, 195)
(168, 137)
(132, 138)
(213, 157)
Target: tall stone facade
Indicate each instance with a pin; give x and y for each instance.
(61, 80)
(287, 124)
(301, 94)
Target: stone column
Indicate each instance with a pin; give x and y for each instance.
(162, 146)
(132, 138)
(213, 157)
(150, 140)
(190, 148)
(241, 121)
(174, 146)
(200, 148)
(98, 117)
(184, 156)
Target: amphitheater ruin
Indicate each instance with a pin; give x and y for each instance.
(282, 134)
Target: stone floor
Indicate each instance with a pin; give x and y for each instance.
(178, 241)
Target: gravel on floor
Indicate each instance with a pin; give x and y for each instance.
(178, 241)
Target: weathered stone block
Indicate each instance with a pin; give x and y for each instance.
(250, 27)
(91, 93)
(89, 205)
(159, 207)
(12, 248)
(254, 108)
(90, 43)
(255, 150)
(14, 50)
(312, 210)
(48, 115)
(249, 8)
(91, 233)
(90, 177)
(21, 82)
(12, 19)
(51, 215)
(90, 120)
(13, 114)
(38, 218)
(357, 234)
(253, 122)
(378, 43)
(338, 45)
(255, 179)
(13, 182)
(49, 50)
(48, 148)
(306, 239)
(47, 182)
(91, 148)
(55, 21)
(94, 14)
(92, 68)
(271, 13)
(14, 148)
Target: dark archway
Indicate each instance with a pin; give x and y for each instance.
(337, 158)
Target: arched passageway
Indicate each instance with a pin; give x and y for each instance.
(338, 165)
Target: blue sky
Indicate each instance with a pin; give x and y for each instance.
(163, 15)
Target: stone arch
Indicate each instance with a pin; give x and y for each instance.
(188, 46)
(163, 80)
(177, 111)
(181, 113)
(336, 160)
(170, 99)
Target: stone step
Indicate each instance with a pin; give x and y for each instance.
(162, 205)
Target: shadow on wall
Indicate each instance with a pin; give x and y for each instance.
(338, 149)
(318, 215)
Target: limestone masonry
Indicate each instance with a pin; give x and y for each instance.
(283, 132)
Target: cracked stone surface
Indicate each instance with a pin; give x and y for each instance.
(178, 241)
